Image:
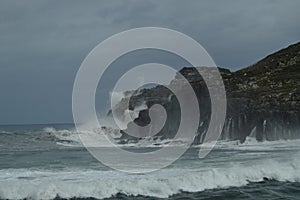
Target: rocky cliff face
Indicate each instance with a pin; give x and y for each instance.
(263, 100)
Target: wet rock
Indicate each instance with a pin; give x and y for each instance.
(263, 100)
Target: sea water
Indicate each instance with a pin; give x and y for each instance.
(49, 161)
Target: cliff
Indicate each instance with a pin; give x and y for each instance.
(263, 100)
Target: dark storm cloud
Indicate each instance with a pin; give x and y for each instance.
(42, 43)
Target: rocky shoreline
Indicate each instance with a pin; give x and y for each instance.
(263, 100)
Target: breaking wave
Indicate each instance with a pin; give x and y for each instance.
(35, 184)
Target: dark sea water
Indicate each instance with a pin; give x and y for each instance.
(49, 162)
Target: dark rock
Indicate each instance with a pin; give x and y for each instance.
(263, 100)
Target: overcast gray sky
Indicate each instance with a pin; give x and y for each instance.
(42, 43)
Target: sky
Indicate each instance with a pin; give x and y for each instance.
(43, 43)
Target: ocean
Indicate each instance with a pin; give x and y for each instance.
(49, 162)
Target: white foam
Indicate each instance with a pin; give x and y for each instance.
(112, 133)
(36, 184)
(5, 132)
(251, 144)
(71, 138)
(64, 135)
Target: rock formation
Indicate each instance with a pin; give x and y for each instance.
(263, 100)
